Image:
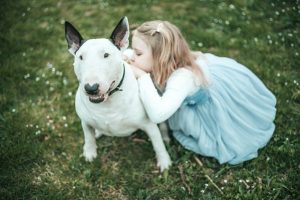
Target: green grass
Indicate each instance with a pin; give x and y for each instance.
(40, 135)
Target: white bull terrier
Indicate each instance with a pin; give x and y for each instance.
(107, 99)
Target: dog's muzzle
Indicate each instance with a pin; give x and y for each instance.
(94, 94)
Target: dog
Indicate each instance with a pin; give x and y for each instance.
(107, 99)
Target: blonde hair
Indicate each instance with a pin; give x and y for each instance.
(170, 50)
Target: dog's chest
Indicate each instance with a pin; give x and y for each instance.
(112, 124)
(120, 118)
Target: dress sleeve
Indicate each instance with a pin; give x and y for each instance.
(159, 108)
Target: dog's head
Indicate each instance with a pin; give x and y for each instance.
(98, 63)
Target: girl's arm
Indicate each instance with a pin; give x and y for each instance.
(160, 108)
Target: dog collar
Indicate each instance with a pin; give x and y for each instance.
(119, 85)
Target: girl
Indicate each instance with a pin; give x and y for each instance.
(214, 106)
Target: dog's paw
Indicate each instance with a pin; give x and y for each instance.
(164, 162)
(89, 153)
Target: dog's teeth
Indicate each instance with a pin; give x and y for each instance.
(96, 99)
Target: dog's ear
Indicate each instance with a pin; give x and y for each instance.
(120, 34)
(73, 38)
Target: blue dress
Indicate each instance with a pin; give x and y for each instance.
(231, 118)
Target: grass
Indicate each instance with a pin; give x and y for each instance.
(40, 135)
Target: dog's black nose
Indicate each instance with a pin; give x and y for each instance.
(92, 90)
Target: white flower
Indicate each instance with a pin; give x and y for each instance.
(200, 44)
(49, 65)
(26, 76)
(231, 6)
(13, 110)
(65, 81)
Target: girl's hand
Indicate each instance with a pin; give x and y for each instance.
(137, 71)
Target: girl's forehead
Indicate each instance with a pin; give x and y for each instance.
(139, 43)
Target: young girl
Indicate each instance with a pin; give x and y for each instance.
(214, 106)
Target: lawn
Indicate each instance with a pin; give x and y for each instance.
(40, 134)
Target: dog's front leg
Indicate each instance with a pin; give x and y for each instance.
(163, 158)
(90, 146)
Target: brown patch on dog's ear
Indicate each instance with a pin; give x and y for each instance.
(73, 38)
(120, 35)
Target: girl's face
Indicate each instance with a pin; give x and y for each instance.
(142, 57)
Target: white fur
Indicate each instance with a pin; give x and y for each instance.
(120, 114)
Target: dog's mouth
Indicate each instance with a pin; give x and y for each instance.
(99, 97)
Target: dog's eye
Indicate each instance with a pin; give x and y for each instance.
(80, 57)
(106, 55)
